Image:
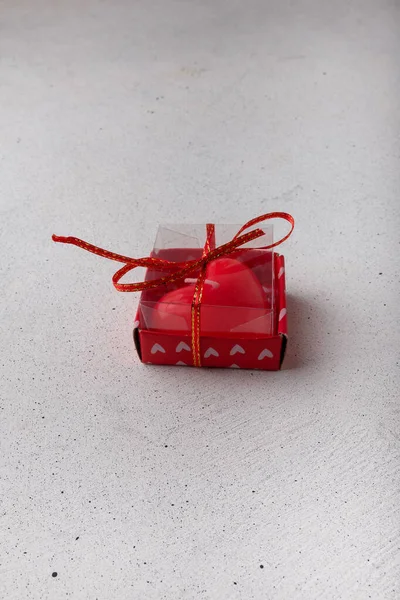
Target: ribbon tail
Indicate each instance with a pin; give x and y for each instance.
(74, 241)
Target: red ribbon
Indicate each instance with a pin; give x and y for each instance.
(182, 269)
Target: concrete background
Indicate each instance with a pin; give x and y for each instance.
(150, 483)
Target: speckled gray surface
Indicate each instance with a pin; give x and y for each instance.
(154, 483)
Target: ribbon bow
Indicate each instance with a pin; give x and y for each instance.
(181, 269)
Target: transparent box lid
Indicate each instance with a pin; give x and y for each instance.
(238, 292)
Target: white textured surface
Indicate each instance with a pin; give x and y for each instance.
(152, 483)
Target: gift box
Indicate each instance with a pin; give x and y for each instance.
(213, 296)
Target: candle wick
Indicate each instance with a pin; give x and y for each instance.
(214, 284)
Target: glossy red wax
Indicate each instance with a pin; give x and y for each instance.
(233, 301)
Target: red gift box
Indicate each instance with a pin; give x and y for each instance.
(251, 351)
(211, 297)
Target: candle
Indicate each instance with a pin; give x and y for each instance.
(233, 301)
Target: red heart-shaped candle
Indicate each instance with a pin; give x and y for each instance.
(233, 301)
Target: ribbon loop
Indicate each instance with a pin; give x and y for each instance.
(274, 215)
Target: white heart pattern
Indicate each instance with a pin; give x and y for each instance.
(180, 363)
(234, 367)
(282, 314)
(265, 353)
(182, 346)
(157, 348)
(237, 348)
(210, 352)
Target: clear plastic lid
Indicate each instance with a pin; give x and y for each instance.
(238, 292)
